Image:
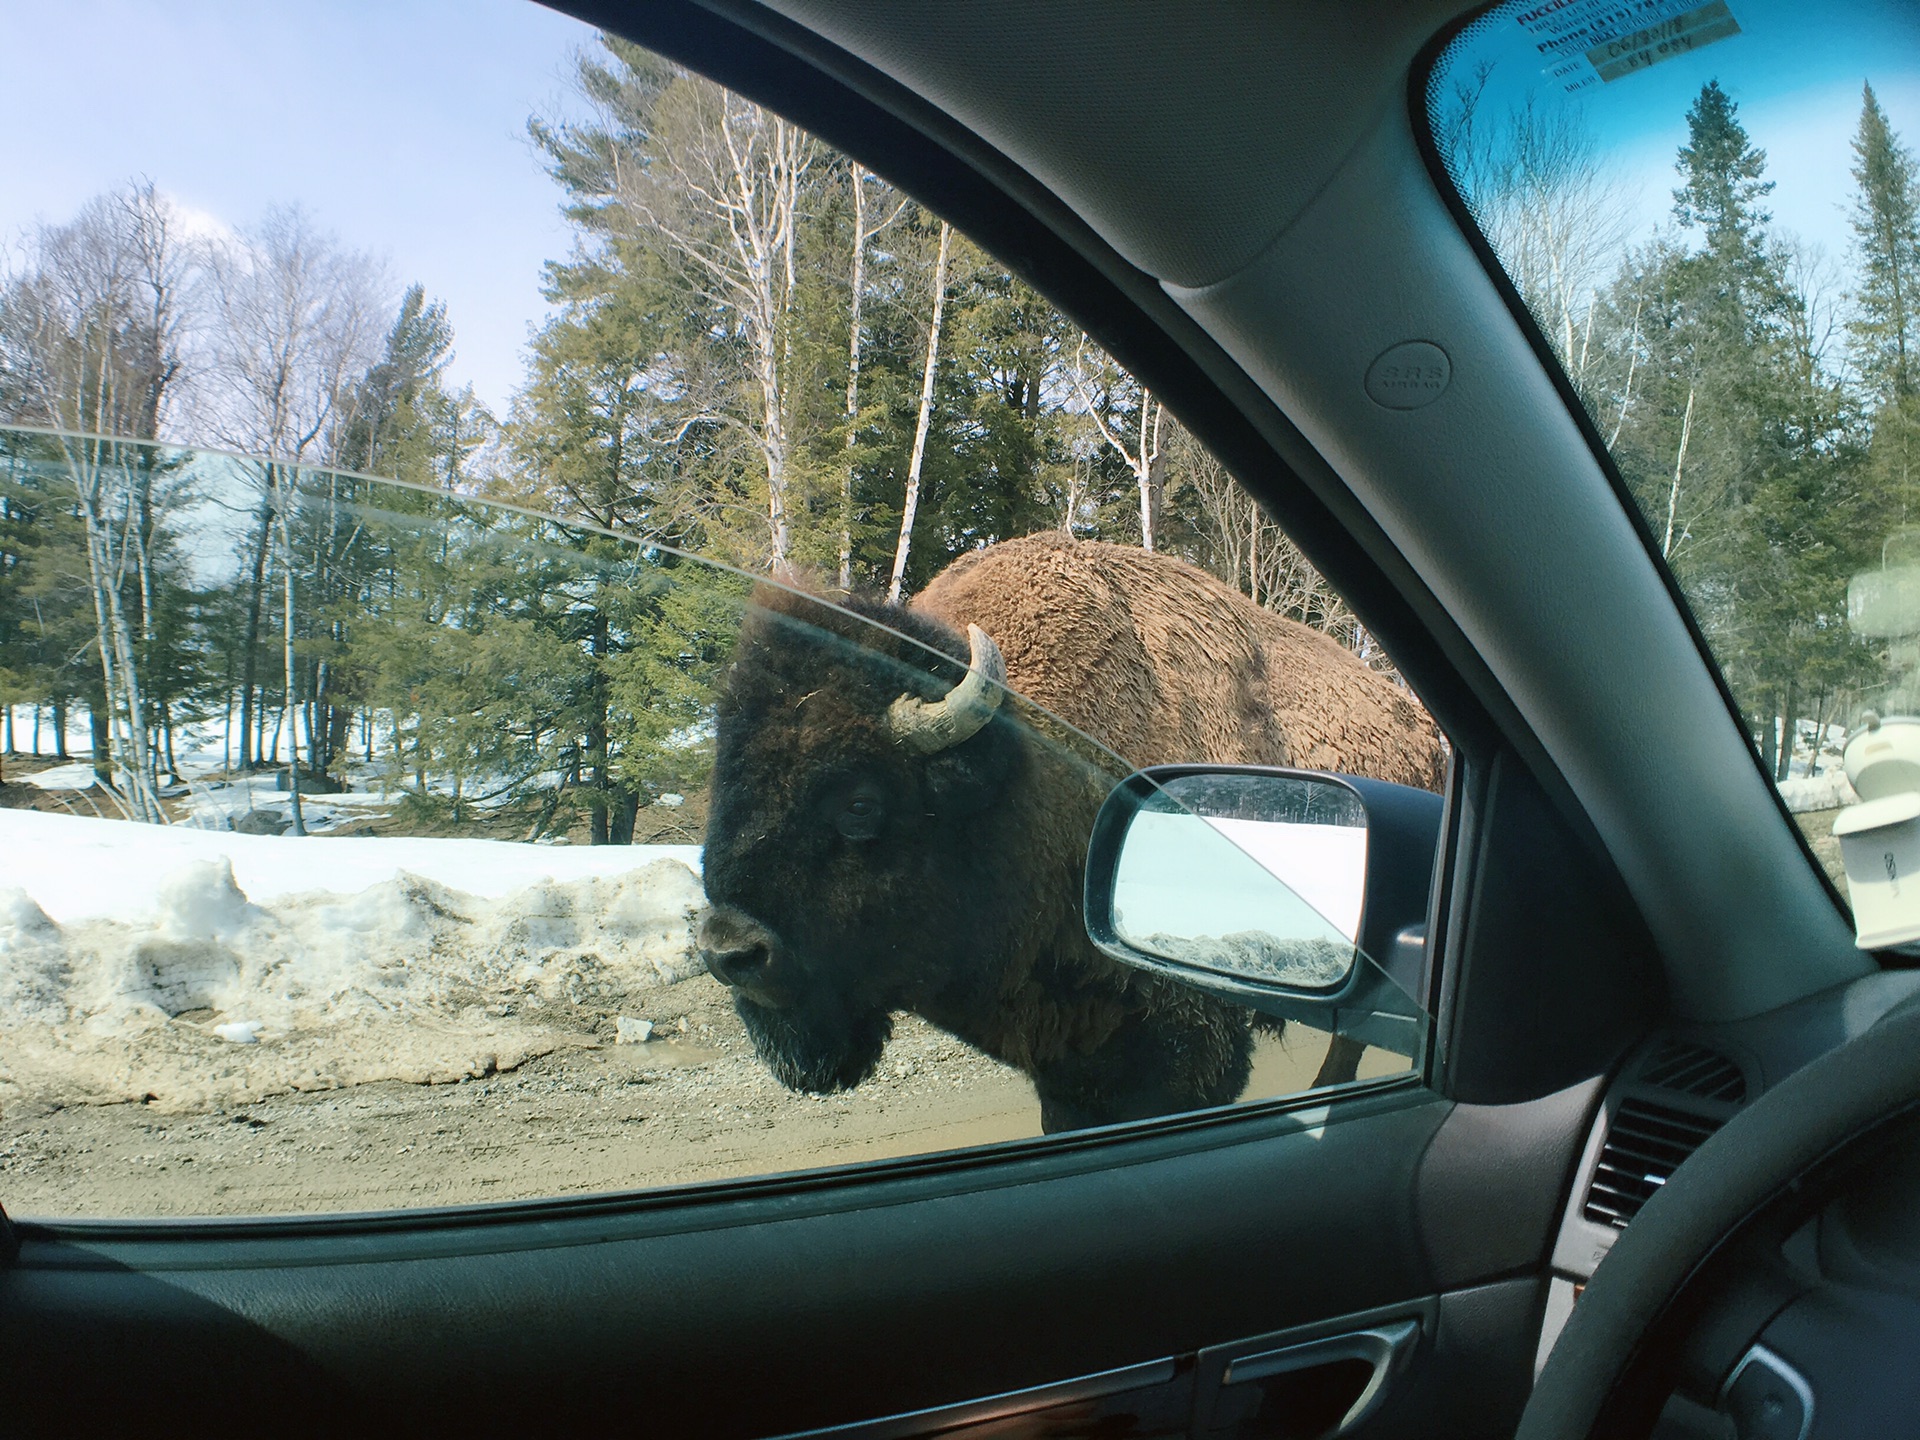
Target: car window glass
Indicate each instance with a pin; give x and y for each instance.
(1713, 213)
(662, 751)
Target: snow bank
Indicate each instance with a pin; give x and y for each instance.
(198, 968)
(81, 868)
(1827, 791)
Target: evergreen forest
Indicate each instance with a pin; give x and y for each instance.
(242, 500)
(1760, 399)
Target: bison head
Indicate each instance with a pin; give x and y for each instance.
(854, 852)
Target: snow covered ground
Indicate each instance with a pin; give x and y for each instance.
(27, 740)
(1827, 791)
(79, 868)
(211, 796)
(200, 967)
(77, 776)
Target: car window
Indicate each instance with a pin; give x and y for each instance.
(658, 749)
(1713, 213)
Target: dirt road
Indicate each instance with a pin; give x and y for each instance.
(695, 1106)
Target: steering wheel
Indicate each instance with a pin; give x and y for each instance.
(1694, 1288)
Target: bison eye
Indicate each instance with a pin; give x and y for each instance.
(864, 812)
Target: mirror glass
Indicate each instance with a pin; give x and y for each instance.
(1251, 875)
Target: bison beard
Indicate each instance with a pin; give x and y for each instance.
(883, 837)
(818, 1049)
(810, 1033)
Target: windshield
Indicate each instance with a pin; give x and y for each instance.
(1713, 214)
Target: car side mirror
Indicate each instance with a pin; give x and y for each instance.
(1297, 893)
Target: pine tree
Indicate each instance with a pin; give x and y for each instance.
(1734, 433)
(1886, 224)
(1721, 180)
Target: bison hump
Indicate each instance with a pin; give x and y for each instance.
(1161, 662)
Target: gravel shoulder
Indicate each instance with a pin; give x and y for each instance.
(696, 1106)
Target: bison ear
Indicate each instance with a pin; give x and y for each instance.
(966, 778)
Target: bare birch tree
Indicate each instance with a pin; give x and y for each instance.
(297, 324)
(863, 235)
(911, 503)
(1554, 213)
(90, 343)
(1238, 543)
(1104, 389)
(721, 189)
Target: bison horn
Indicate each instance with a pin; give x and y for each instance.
(928, 726)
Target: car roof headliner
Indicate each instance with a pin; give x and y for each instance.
(1221, 116)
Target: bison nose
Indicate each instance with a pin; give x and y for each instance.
(739, 966)
(737, 950)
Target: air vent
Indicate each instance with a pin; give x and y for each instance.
(1695, 1070)
(1644, 1147)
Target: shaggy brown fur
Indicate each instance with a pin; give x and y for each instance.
(851, 878)
(1162, 663)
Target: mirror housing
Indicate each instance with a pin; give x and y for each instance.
(1378, 1000)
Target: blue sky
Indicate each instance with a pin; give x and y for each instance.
(399, 126)
(1795, 71)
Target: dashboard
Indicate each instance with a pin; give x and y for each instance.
(1792, 1328)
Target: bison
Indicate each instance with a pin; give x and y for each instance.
(886, 835)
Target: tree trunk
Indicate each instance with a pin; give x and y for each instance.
(773, 445)
(1673, 495)
(290, 704)
(626, 812)
(250, 640)
(1253, 551)
(1784, 766)
(128, 760)
(291, 710)
(139, 761)
(853, 374)
(339, 736)
(925, 422)
(597, 739)
(101, 734)
(1146, 470)
(59, 730)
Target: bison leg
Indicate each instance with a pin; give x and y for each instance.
(1342, 1063)
(1154, 1064)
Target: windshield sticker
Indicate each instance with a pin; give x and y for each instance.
(1595, 42)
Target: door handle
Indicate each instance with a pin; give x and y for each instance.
(1387, 1348)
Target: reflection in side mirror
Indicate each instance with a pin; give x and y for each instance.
(1195, 879)
(1296, 893)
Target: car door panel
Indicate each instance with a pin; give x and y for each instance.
(819, 1303)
